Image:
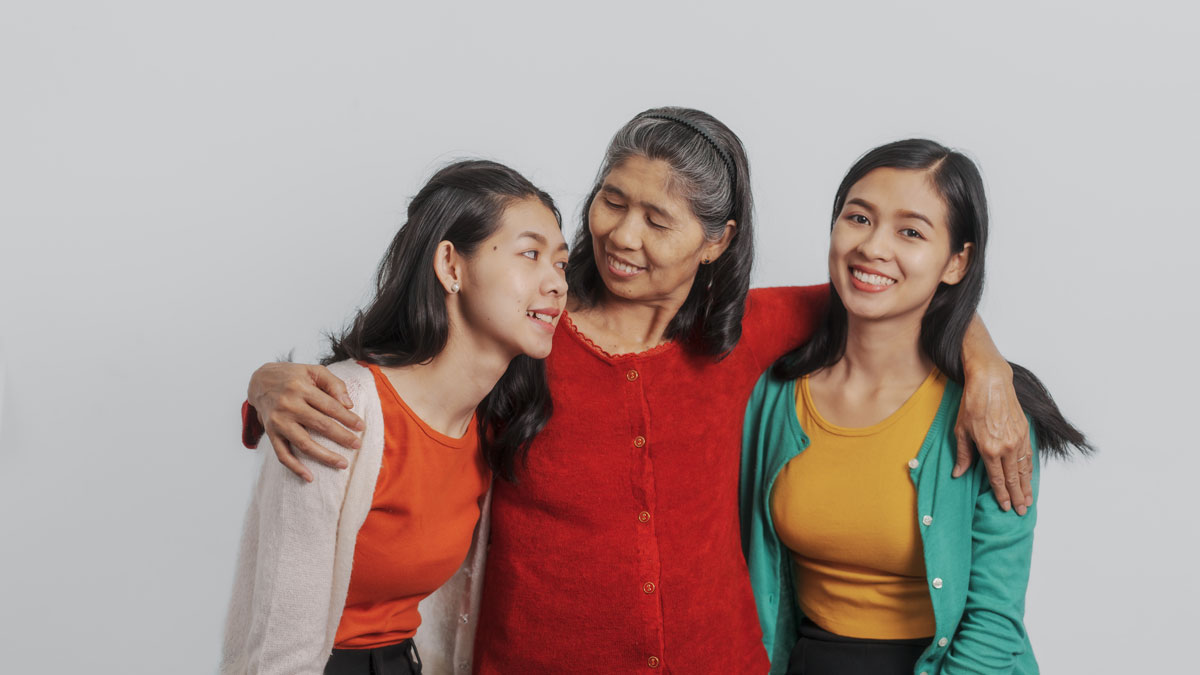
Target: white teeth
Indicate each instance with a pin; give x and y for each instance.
(622, 267)
(540, 317)
(873, 279)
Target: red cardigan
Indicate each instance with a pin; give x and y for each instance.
(617, 549)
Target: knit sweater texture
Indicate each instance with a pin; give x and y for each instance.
(617, 548)
(297, 550)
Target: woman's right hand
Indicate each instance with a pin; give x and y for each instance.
(295, 400)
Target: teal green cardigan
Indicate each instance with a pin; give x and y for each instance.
(976, 556)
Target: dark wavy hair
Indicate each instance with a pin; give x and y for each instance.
(710, 319)
(945, 322)
(407, 323)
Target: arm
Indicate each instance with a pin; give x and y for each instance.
(991, 634)
(991, 416)
(282, 615)
(291, 401)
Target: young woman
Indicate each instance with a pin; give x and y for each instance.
(864, 555)
(442, 361)
(615, 547)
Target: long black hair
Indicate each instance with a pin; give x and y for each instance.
(407, 322)
(945, 321)
(713, 174)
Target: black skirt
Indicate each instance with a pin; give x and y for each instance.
(819, 652)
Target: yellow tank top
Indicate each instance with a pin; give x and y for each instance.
(847, 509)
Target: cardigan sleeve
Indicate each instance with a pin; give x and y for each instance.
(284, 596)
(778, 319)
(991, 634)
(252, 428)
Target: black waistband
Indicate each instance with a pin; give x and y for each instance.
(398, 659)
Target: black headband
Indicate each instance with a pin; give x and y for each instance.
(711, 141)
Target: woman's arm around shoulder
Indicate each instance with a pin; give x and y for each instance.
(291, 403)
(778, 319)
(293, 567)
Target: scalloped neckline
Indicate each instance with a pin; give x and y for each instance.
(600, 351)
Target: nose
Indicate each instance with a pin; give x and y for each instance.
(554, 282)
(626, 234)
(876, 245)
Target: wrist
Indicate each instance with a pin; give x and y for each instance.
(993, 368)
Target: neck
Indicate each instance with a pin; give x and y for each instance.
(623, 326)
(445, 391)
(883, 352)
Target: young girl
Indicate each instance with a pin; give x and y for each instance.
(442, 361)
(866, 556)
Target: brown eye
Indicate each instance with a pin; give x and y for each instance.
(911, 233)
(860, 219)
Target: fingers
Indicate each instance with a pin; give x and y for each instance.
(300, 440)
(334, 387)
(284, 455)
(1012, 481)
(325, 407)
(966, 452)
(998, 481)
(315, 420)
(1026, 469)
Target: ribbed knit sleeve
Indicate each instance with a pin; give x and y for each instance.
(778, 319)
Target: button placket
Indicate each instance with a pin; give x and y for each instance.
(648, 564)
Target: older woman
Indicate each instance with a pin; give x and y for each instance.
(615, 544)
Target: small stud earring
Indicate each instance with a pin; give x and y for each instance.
(454, 287)
(705, 261)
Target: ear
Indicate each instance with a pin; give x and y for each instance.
(957, 267)
(715, 247)
(448, 266)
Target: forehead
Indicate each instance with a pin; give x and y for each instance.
(901, 190)
(529, 215)
(648, 180)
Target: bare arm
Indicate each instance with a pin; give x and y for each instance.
(295, 400)
(992, 418)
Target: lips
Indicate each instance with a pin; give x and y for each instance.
(622, 267)
(545, 318)
(870, 281)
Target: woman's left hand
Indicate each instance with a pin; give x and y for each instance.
(992, 417)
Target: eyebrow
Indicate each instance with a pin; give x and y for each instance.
(918, 216)
(903, 214)
(540, 239)
(649, 206)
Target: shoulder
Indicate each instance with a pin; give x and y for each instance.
(770, 394)
(777, 319)
(359, 380)
(794, 299)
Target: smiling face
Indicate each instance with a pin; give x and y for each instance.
(513, 288)
(890, 246)
(648, 244)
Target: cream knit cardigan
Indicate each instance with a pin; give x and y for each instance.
(297, 549)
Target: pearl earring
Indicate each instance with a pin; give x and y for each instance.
(454, 287)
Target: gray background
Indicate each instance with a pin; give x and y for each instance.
(187, 191)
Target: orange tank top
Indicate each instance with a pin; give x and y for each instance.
(419, 529)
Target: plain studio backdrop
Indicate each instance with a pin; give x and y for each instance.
(189, 190)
